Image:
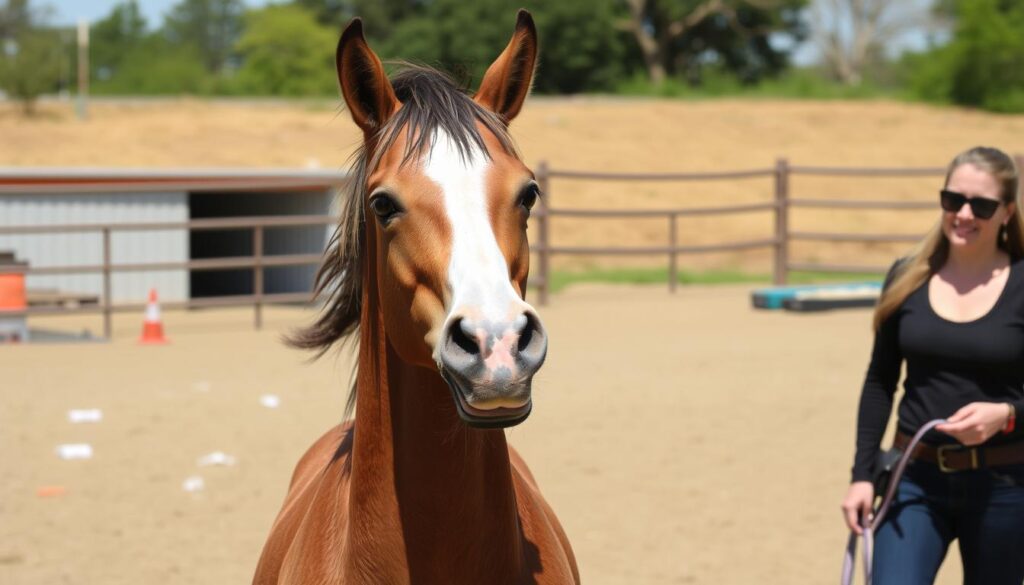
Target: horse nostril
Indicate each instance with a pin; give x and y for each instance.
(462, 339)
(525, 334)
(531, 336)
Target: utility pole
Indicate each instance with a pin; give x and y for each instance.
(83, 69)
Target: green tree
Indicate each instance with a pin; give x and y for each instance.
(30, 65)
(988, 55)
(115, 38)
(384, 14)
(30, 53)
(15, 16)
(157, 67)
(683, 37)
(983, 64)
(582, 46)
(126, 59)
(331, 12)
(453, 35)
(586, 45)
(212, 27)
(286, 52)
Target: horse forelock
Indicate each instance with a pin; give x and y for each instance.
(433, 103)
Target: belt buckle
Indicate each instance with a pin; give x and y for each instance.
(940, 456)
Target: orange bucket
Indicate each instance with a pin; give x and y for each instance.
(12, 292)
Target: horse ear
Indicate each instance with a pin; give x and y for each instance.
(507, 82)
(364, 84)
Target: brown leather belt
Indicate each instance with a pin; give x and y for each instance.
(956, 457)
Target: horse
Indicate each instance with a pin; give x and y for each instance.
(428, 268)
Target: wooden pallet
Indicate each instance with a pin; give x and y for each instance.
(43, 297)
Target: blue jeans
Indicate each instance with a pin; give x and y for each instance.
(982, 509)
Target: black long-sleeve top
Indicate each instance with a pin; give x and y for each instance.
(949, 365)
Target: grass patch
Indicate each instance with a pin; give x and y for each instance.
(561, 279)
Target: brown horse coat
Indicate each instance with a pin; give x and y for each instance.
(408, 492)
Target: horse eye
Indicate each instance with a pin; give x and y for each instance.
(384, 207)
(528, 198)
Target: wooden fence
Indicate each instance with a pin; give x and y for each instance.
(545, 250)
(257, 262)
(779, 206)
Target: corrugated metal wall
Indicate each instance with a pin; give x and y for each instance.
(87, 248)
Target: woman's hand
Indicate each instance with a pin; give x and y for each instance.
(857, 505)
(977, 422)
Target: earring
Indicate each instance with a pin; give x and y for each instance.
(1002, 233)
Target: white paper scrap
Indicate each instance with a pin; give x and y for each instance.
(84, 415)
(74, 451)
(216, 458)
(193, 484)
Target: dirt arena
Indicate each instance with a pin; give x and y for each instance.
(681, 438)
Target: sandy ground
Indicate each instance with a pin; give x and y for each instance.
(681, 438)
(602, 134)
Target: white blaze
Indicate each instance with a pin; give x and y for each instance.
(478, 275)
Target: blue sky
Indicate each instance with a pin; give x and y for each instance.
(69, 11)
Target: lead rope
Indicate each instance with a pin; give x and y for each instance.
(876, 519)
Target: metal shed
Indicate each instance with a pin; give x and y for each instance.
(58, 197)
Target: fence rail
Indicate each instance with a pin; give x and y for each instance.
(257, 262)
(865, 204)
(744, 174)
(780, 205)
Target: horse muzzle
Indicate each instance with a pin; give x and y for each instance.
(489, 367)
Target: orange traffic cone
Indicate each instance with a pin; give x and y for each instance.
(152, 327)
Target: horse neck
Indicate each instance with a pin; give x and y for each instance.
(446, 488)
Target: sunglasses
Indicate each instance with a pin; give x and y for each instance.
(981, 207)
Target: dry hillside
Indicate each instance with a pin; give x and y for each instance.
(608, 134)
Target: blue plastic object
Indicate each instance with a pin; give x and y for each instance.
(777, 297)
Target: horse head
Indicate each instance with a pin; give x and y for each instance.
(446, 199)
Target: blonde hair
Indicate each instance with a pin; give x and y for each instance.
(929, 255)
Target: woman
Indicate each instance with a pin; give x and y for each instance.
(954, 311)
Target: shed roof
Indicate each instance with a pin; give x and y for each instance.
(105, 181)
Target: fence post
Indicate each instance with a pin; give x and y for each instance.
(257, 275)
(1019, 159)
(107, 328)
(781, 267)
(673, 268)
(543, 256)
